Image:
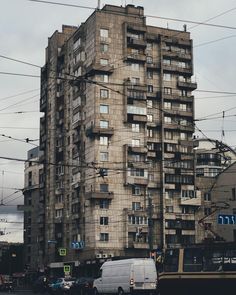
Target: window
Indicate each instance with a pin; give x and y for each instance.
(137, 172)
(183, 136)
(182, 107)
(167, 77)
(150, 132)
(104, 124)
(169, 209)
(149, 74)
(150, 118)
(136, 190)
(167, 105)
(167, 90)
(104, 62)
(199, 171)
(135, 142)
(233, 194)
(150, 88)
(103, 140)
(104, 93)
(104, 33)
(149, 46)
(103, 187)
(59, 213)
(168, 135)
(103, 220)
(135, 128)
(135, 80)
(104, 78)
(149, 104)
(135, 67)
(207, 211)
(103, 156)
(104, 109)
(103, 204)
(136, 205)
(104, 237)
(183, 92)
(167, 120)
(103, 47)
(149, 59)
(207, 196)
(167, 62)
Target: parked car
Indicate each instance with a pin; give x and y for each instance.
(127, 276)
(82, 286)
(61, 285)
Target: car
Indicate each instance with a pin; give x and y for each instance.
(82, 286)
(61, 285)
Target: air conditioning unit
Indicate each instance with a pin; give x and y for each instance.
(98, 255)
(104, 255)
(111, 255)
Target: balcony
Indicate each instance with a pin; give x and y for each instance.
(137, 149)
(137, 180)
(187, 85)
(176, 55)
(194, 201)
(98, 68)
(99, 195)
(136, 57)
(153, 66)
(77, 123)
(94, 131)
(137, 43)
(137, 118)
(177, 69)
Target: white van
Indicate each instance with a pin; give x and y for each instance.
(127, 276)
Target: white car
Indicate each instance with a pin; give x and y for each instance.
(62, 284)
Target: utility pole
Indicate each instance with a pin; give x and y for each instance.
(150, 223)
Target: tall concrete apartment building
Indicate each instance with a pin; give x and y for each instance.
(117, 138)
(33, 213)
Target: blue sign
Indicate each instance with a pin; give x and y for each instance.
(77, 245)
(226, 219)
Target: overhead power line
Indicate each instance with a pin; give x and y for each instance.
(17, 60)
(63, 4)
(151, 16)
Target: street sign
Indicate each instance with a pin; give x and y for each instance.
(52, 241)
(226, 219)
(62, 251)
(77, 245)
(67, 269)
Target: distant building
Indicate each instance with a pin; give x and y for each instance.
(11, 258)
(33, 212)
(116, 137)
(215, 164)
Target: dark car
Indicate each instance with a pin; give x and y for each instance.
(82, 286)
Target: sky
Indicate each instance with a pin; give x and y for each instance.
(24, 30)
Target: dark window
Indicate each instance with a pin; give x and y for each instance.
(233, 194)
(104, 187)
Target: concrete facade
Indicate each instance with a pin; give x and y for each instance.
(33, 211)
(215, 179)
(117, 138)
